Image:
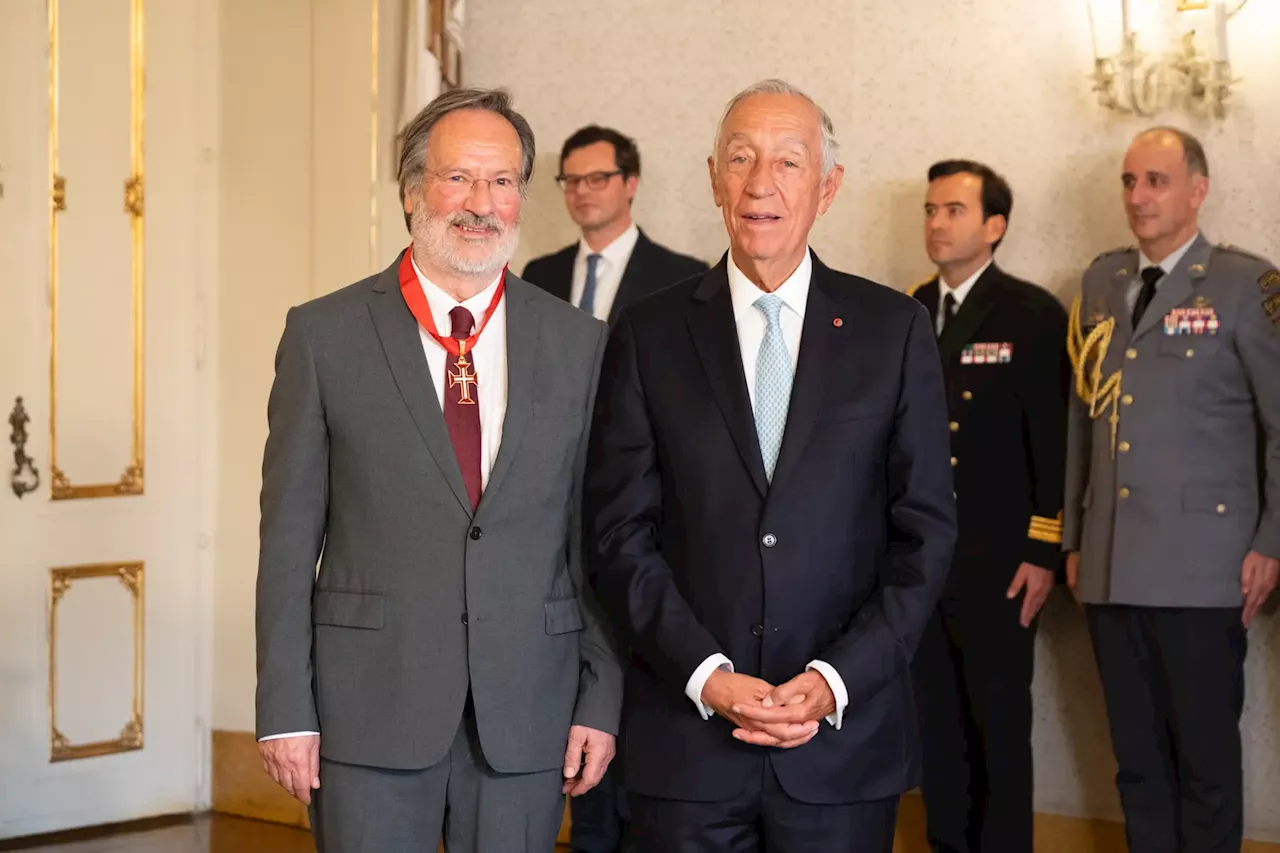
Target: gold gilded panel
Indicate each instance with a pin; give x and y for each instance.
(61, 196)
(130, 738)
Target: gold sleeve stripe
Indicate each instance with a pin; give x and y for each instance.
(1045, 529)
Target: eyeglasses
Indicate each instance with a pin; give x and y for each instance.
(460, 184)
(594, 180)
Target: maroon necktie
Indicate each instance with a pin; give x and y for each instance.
(462, 406)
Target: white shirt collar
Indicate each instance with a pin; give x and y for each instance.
(616, 253)
(959, 293)
(1171, 262)
(442, 303)
(794, 292)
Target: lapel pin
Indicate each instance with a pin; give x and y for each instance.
(1197, 269)
(837, 322)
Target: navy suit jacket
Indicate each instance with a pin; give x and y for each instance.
(842, 557)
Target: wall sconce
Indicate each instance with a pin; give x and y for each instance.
(1190, 68)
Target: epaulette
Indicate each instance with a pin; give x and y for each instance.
(911, 291)
(1228, 247)
(1111, 252)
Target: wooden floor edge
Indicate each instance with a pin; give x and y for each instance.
(243, 789)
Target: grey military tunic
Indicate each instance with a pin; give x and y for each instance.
(1173, 458)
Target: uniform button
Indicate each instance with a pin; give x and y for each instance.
(464, 619)
(758, 630)
(1190, 353)
(1222, 509)
(955, 427)
(968, 395)
(1131, 354)
(1127, 399)
(476, 533)
(1124, 447)
(769, 540)
(1124, 493)
(954, 461)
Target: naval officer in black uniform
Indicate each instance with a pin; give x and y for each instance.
(1008, 375)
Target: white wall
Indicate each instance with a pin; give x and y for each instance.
(906, 83)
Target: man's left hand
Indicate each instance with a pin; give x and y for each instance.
(598, 748)
(1258, 578)
(1038, 582)
(804, 699)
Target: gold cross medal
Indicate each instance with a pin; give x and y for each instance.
(466, 377)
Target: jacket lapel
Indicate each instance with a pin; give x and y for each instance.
(821, 343)
(631, 287)
(1117, 292)
(523, 325)
(402, 343)
(560, 281)
(977, 306)
(1177, 287)
(927, 295)
(715, 336)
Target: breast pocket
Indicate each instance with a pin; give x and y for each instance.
(857, 410)
(1198, 361)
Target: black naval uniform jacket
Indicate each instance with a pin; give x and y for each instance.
(1008, 375)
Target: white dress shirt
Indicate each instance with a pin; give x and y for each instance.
(958, 294)
(609, 270)
(1168, 265)
(751, 324)
(489, 360)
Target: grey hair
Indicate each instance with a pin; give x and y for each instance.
(1192, 151)
(830, 147)
(413, 151)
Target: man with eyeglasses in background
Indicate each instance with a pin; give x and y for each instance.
(614, 263)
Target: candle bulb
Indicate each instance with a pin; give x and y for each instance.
(1220, 30)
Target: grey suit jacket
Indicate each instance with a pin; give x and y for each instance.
(1194, 480)
(415, 600)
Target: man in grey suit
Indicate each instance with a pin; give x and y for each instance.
(1172, 512)
(445, 670)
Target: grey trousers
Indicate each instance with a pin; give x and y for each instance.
(460, 799)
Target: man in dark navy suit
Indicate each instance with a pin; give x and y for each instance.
(770, 518)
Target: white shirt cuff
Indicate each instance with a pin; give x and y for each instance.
(286, 734)
(693, 689)
(836, 683)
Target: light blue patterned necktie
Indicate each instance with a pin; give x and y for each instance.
(588, 301)
(773, 383)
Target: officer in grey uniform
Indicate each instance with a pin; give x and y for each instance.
(1172, 510)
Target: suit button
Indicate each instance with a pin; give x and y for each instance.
(1127, 399)
(1190, 353)
(1124, 493)
(1124, 447)
(769, 540)
(1222, 509)
(954, 461)
(968, 395)
(476, 533)
(1131, 354)
(758, 630)
(955, 427)
(464, 619)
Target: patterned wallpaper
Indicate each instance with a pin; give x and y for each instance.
(907, 83)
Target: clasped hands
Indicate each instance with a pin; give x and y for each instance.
(785, 716)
